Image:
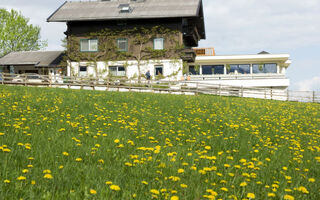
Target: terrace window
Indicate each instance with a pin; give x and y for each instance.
(88, 45)
(240, 69)
(122, 44)
(117, 71)
(158, 44)
(212, 69)
(192, 70)
(265, 68)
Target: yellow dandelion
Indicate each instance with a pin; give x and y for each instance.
(174, 198)
(243, 184)
(303, 190)
(48, 176)
(224, 189)
(115, 187)
(6, 181)
(207, 147)
(21, 178)
(144, 182)
(92, 191)
(116, 141)
(311, 180)
(33, 182)
(271, 194)
(251, 196)
(183, 185)
(78, 159)
(109, 182)
(288, 197)
(154, 191)
(180, 171)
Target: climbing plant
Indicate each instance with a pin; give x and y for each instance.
(140, 46)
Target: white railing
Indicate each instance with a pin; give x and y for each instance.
(237, 77)
(169, 86)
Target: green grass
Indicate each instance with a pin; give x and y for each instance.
(220, 143)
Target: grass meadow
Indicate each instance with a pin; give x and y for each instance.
(75, 144)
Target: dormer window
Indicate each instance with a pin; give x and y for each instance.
(125, 8)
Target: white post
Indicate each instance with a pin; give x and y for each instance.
(251, 69)
(278, 68)
(200, 70)
(225, 69)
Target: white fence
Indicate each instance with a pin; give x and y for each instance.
(157, 86)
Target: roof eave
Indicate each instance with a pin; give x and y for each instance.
(118, 18)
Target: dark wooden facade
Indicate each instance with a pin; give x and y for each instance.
(188, 31)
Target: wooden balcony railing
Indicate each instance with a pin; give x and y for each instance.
(204, 51)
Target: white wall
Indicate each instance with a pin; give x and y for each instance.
(169, 67)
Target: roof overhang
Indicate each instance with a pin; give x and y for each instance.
(283, 58)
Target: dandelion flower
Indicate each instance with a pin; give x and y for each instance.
(271, 194)
(311, 180)
(174, 198)
(288, 197)
(6, 181)
(183, 185)
(21, 178)
(251, 196)
(92, 191)
(115, 187)
(48, 176)
(180, 171)
(154, 191)
(243, 184)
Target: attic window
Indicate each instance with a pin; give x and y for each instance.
(125, 8)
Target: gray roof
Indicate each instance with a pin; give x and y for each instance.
(108, 10)
(37, 58)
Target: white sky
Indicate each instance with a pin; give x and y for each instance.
(232, 27)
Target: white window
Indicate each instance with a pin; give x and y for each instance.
(88, 45)
(83, 71)
(158, 44)
(117, 71)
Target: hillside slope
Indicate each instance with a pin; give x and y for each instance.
(70, 144)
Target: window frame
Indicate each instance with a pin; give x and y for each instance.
(263, 71)
(86, 71)
(89, 50)
(239, 69)
(155, 70)
(117, 71)
(154, 42)
(121, 50)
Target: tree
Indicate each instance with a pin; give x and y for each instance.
(17, 35)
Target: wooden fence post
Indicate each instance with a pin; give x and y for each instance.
(313, 97)
(25, 80)
(288, 98)
(271, 93)
(2, 78)
(219, 89)
(241, 91)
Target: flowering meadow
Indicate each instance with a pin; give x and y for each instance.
(76, 144)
